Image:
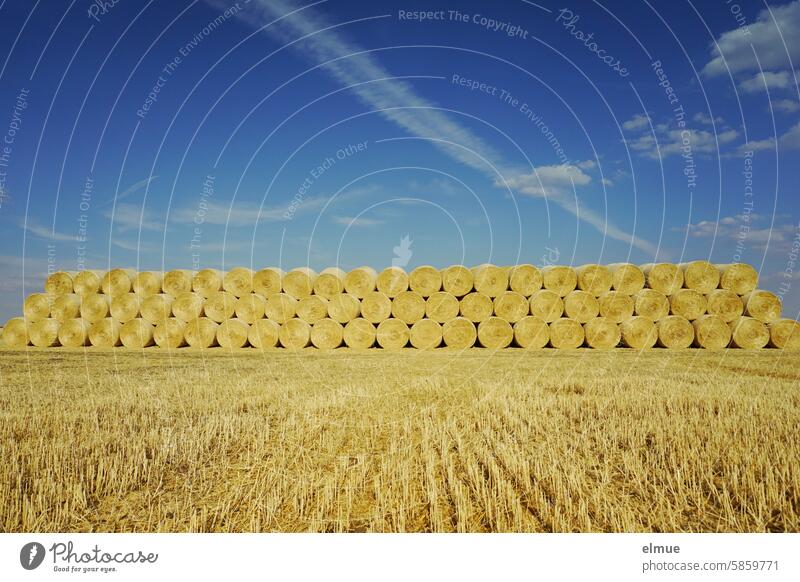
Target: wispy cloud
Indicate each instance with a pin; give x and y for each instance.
(763, 44)
(664, 141)
(128, 217)
(357, 221)
(768, 80)
(44, 232)
(397, 101)
(753, 231)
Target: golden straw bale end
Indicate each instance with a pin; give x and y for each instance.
(299, 282)
(666, 278)
(327, 334)
(476, 307)
(459, 333)
(616, 306)
(312, 308)
(359, 333)
(126, 306)
(701, 276)
(762, 305)
(344, 307)
(490, 280)
(749, 333)
(170, 333)
(566, 334)
(15, 333)
(651, 304)
(457, 280)
(330, 282)
(524, 279)
(264, 334)
(157, 308)
(105, 333)
(361, 281)
(426, 334)
(560, 279)
(546, 305)
(232, 333)
(711, 332)
(250, 307)
(118, 281)
(95, 307)
(441, 307)
(425, 280)
(238, 281)
(581, 306)
(201, 332)
(37, 306)
(74, 333)
(392, 281)
(408, 306)
(626, 278)
(784, 334)
(268, 281)
(688, 303)
(725, 304)
(639, 333)
(392, 334)
(147, 283)
(738, 277)
(177, 282)
(531, 332)
(376, 306)
(594, 279)
(87, 282)
(60, 283)
(136, 333)
(187, 306)
(66, 307)
(44, 333)
(602, 333)
(207, 281)
(495, 333)
(675, 332)
(511, 306)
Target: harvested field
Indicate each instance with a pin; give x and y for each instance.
(509, 441)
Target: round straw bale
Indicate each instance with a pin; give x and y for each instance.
(749, 334)
(391, 281)
(441, 306)
(547, 305)
(299, 282)
(425, 280)
(157, 308)
(117, 281)
(200, 332)
(44, 333)
(105, 333)
(675, 332)
(264, 334)
(511, 306)
(327, 334)
(37, 306)
(784, 334)
(495, 333)
(426, 334)
(207, 281)
(250, 307)
(126, 307)
(176, 282)
(524, 279)
(238, 281)
(268, 281)
(220, 306)
(688, 303)
(651, 304)
(559, 279)
(147, 283)
(408, 306)
(616, 306)
(359, 333)
(95, 307)
(602, 333)
(531, 332)
(762, 305)
(361, 281)
(280, 307)
(639, 333)
(376, 306)
(59, 283)
(74, 333)
(15, 333)
(711, 332)
(457, 279)
(476, 307)
(581, 306)
(330, 282)
(87, 282)
(392, 334)
(738, 277)
(136, 333)
(295, 334)
(232, 333)
(312, 308)
(490, 280)
(701, 276)
(344, 307)
(594, 279)
(459, 333)
(187, 306)
(170, 333)
(566, 334)
(664, 277)
(66, 307)
(626, 278)
(725, 304)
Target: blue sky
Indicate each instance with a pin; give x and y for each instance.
(162, 134)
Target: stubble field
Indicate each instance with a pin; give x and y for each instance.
(511, 441)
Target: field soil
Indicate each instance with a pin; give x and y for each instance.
(410, 441)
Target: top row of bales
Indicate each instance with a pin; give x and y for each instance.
(458, 280)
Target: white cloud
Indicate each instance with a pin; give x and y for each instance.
(786, 105)
(791, 139)
(758, 145)
(395, 99)
(669, 142)
(638, 121)
(705, 119)
(607, 182)
(133, 217)
(774, 31)
(754, 231)
(768, 80)
(355, 221)
(44, 232)
(548, 181)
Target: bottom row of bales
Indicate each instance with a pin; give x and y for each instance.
(673, 332)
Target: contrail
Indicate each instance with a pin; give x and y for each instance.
(397, 101)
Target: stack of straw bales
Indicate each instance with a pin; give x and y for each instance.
(665, 305)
